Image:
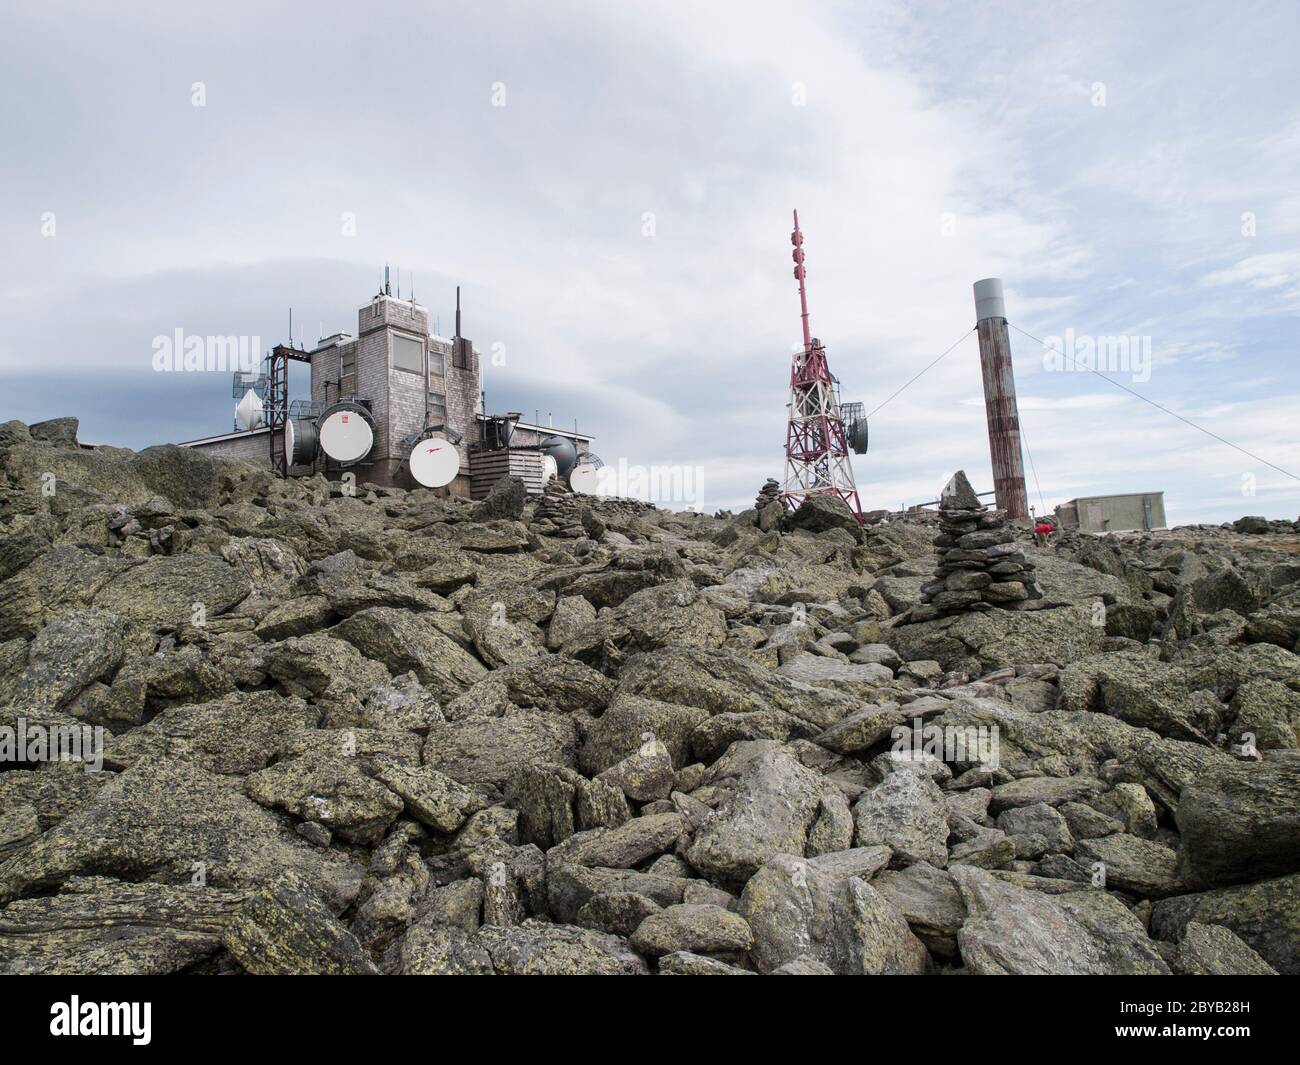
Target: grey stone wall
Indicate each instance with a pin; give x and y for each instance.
(251, 447)
(248, 447)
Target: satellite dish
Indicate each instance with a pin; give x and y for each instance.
(249, 410)
(347, 432)
(563, 451)
(301, 441)
(549, 469)
(858, 436)
(434, 462)
(585, 477)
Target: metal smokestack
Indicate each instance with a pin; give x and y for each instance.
(1000, 399)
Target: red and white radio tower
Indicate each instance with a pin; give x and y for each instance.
(816, 446)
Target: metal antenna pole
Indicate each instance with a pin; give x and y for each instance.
(796, 238)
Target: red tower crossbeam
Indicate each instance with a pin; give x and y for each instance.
(816, 445)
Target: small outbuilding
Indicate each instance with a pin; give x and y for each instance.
(1129, 512)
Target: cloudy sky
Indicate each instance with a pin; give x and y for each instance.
(611, 184)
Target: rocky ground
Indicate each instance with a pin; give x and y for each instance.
(390, 733)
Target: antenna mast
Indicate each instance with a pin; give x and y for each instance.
(796, 238)
(816, 445)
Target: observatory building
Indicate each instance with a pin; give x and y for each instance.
(395, 405)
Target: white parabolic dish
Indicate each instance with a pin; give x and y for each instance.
(346, 436)
(585, 478)
(549, 469)
(434, 462)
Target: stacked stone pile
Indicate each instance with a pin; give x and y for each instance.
(563, 512)
(558, 512)
(769, 505)
(769, 493)
(980, 563)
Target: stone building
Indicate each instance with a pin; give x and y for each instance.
(383, 366)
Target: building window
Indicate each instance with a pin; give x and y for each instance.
(408, 354)
(348, 372)
(437, 407)
(436, 364)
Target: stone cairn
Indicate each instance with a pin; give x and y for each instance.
(769, 493)
(980, 564)
(769, 507)
(558, 512)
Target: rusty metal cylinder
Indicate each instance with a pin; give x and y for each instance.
(1000, 399)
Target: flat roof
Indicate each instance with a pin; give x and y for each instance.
(542, 428)
(225, 436)
(1113, 495)
(389, 297)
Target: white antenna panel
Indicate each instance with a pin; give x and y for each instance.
(249, 410)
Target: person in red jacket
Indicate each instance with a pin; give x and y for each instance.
(1042, 531)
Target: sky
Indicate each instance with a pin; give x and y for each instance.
(611, 185)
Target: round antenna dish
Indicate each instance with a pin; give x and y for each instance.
(563, 451)
(347, 432)
(858, 436)
(301, 441)
(249, 410)
(550, 469)
(585, 477)
(434, 463)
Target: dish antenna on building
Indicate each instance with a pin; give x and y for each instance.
(585, 476)
(347, 432)
(301, 441)
(249, 410)
(563, 452)
(301, 436)
(434, 462)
